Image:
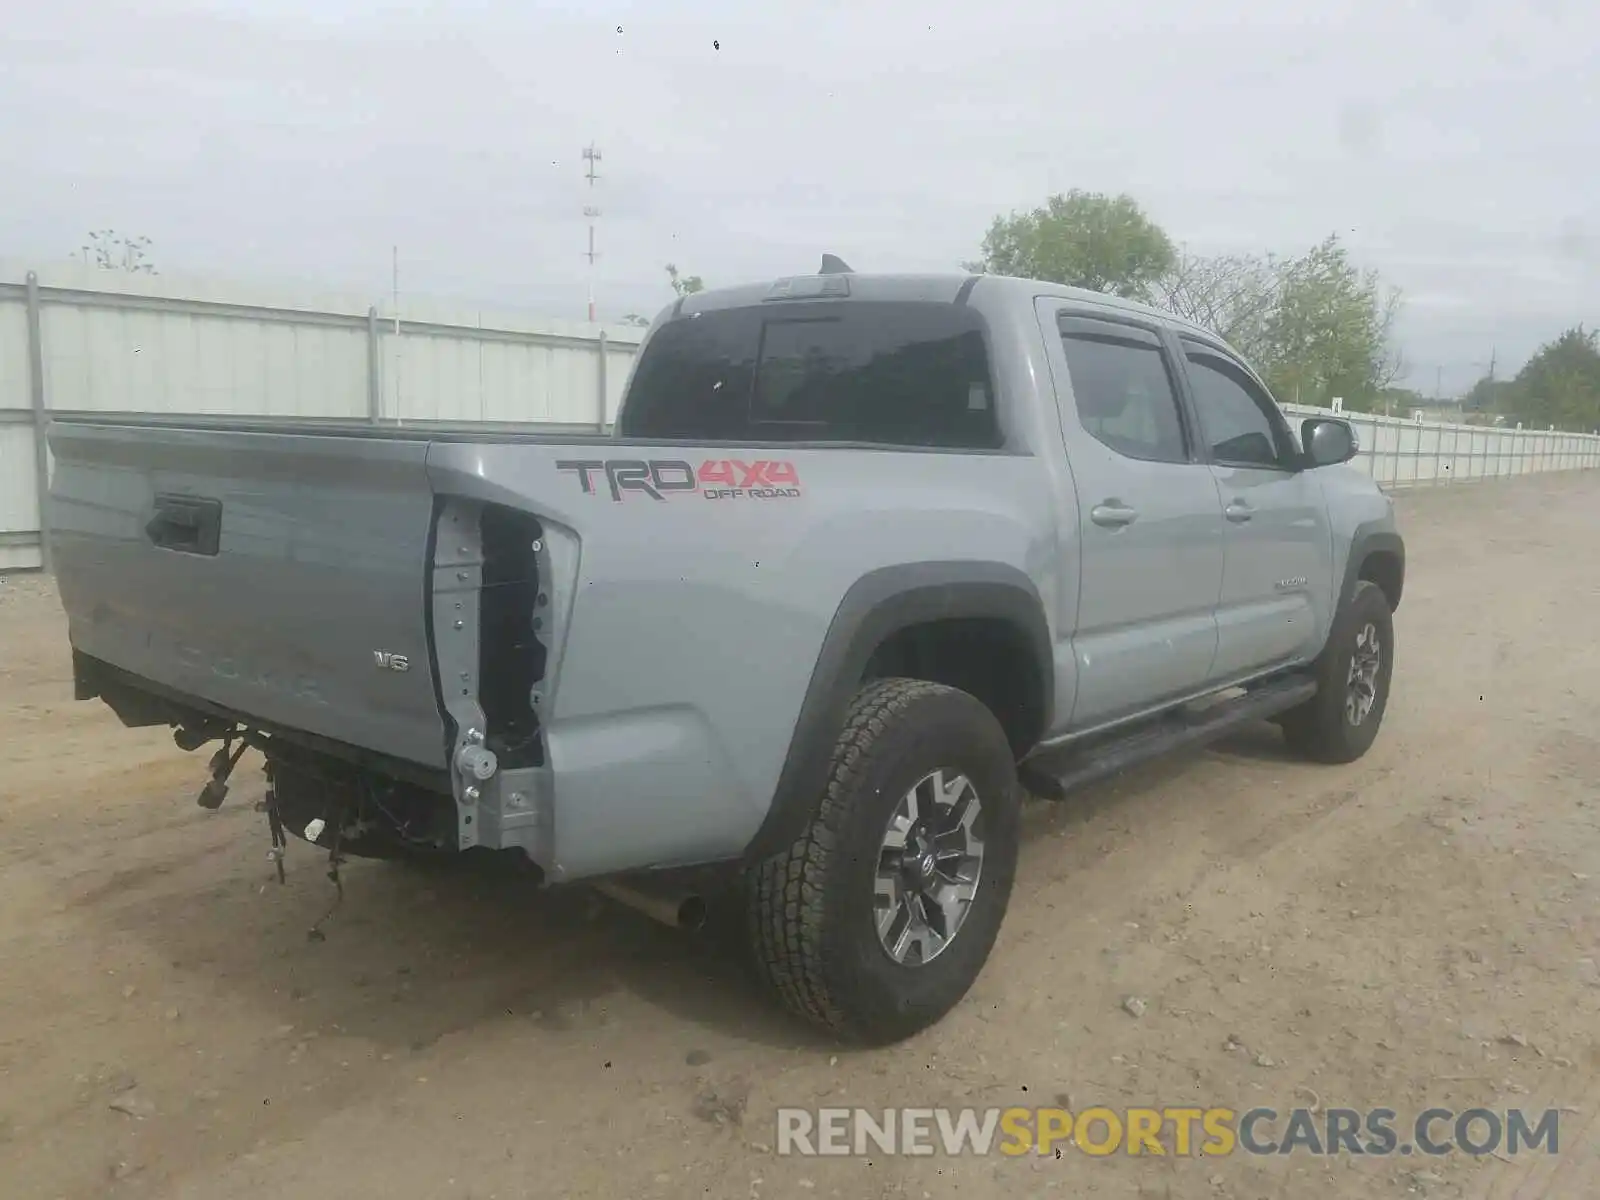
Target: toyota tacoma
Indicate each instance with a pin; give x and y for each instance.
(865, 558)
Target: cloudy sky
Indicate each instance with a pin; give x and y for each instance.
(1453, 143)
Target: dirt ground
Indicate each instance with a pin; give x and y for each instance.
(1421, 928)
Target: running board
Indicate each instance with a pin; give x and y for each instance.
(1055, 774)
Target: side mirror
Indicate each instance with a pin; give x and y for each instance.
(1328, 441)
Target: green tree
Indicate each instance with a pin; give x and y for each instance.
(1489, 395)
(1315, 325)
(1085, 239)
(1560, 384)
(684, 285)
(1329, 331)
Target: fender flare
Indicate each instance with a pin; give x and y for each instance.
(876, 606)
(1369, 538)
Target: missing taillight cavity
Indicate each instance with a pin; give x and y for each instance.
(511, 654)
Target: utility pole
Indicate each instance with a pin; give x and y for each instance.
(591, 157)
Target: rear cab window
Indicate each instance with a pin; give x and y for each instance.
(910, 374)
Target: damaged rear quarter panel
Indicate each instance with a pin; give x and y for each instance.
(688, 624)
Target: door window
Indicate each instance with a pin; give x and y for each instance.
(1123, 390)
(1239, 420)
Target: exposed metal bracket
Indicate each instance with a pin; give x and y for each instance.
(457, 581)
(496, 808)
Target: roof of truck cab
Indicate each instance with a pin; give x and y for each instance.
(945, 287)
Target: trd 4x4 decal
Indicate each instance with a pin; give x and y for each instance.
(659, 478)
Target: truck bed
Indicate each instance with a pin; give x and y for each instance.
(631, 625)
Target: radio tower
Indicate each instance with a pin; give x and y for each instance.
(591, 157)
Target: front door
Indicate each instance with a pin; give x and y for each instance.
(1151, 529)
(1277, 577)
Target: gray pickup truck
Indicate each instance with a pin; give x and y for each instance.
(867, 557)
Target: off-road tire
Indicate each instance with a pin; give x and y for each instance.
(1319, 729)
(810, 908)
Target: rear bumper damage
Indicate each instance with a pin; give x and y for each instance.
(489, 607)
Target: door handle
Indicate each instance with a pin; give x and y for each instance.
(1238, 511)
(1113, 514)
(187, 524)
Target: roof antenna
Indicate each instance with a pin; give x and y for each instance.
(832, 264)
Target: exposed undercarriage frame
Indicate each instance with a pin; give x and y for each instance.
(377, 806)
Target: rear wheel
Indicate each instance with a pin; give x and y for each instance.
(1339, 723)
(878, 919)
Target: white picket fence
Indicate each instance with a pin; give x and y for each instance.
(77, 340)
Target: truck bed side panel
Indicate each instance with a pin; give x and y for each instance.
(696, 619)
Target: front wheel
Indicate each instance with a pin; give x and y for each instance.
(1339, 723)
(878, 919)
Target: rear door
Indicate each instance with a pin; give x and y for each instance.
(1151, 525)
(1277, 572)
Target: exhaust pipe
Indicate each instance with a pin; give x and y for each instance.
(677, 910)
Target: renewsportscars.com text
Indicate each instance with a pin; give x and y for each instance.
(1179, 1131)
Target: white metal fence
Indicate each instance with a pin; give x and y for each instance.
(1403, 453)
(75, 339)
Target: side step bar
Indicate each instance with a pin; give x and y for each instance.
(1054, 774)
